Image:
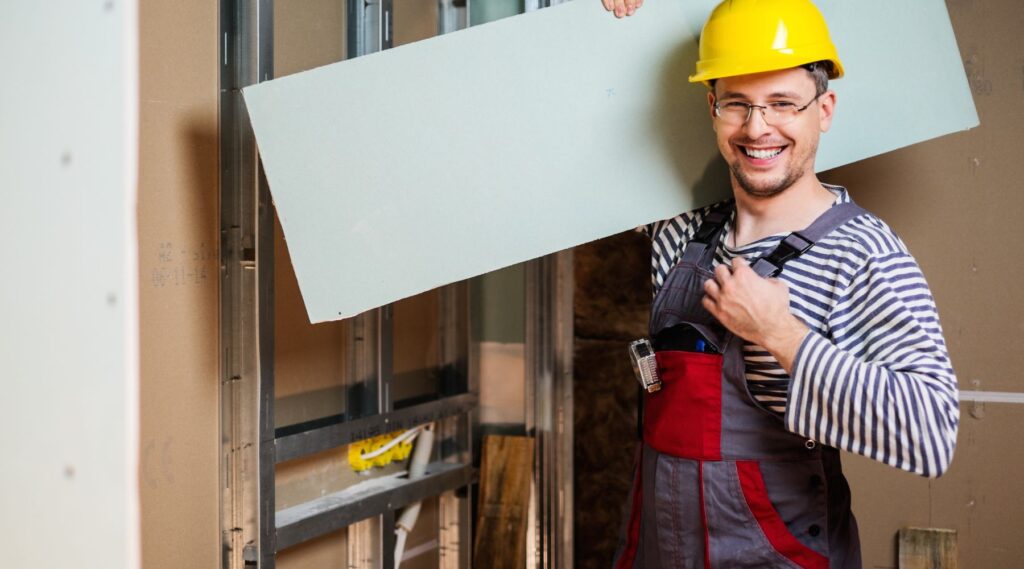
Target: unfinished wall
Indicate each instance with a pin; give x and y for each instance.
(311, 361)
(955, 202)
(179, 279)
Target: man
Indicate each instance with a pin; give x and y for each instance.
(789, 324)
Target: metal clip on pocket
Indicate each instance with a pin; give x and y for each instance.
(645, 365)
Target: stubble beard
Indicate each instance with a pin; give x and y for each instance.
(769, 188)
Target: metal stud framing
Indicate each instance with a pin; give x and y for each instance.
(253, 532)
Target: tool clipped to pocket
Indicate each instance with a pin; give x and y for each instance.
(645, 365)
(684, 337)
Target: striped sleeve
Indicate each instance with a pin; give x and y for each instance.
(879, 382)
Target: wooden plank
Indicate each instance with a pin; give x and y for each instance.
(505, 475)
(927, 548)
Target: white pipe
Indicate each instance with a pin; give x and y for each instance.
(417, 467)
(406, 436)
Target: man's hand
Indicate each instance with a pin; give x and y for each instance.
(622, 7)
(755, 309)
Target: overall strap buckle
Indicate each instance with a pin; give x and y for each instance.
(792, 246)
(798, 242)
(706, 237)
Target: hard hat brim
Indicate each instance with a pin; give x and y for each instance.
(728, 67)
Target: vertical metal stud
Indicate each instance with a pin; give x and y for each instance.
(369, 29)
(549, 401)
(247, 462)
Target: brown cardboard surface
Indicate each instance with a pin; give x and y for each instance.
(980, 496)
(414, 20)
(330, 550)
(178, 297)
(417, 346)
(307, 34)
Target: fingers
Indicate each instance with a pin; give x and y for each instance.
(711, 306)
(723, 274)
(739, 264)
(712, 290)
(622, 7)
(779, 283)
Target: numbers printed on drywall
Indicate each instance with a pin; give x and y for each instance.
(182, 265)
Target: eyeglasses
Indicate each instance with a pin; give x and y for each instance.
(778, 113)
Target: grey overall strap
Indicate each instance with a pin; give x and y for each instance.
(798, 242)
(706, 238)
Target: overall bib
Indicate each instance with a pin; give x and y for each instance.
(719, 482)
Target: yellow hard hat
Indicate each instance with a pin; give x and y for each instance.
(752, 36)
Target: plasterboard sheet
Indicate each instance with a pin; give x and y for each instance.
(69, 345)
(401, 171)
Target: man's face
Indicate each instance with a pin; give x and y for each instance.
(764, 159)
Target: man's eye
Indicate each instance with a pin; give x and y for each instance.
(734, 106)
(782, 106)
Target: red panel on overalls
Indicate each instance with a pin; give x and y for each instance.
(684, 418)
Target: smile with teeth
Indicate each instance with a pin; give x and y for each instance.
(762, 153)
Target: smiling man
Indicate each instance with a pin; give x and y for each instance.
(788, 324)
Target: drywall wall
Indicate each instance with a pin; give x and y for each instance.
(68, 335)
(956, 202)
(178, 291)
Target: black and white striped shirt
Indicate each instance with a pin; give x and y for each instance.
(873, 377)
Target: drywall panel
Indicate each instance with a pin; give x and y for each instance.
(179, 273)
(68, 336)
(393, 174)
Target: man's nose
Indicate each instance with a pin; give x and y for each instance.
(756, 124)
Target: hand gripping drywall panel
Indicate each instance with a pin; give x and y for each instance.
(405, 170)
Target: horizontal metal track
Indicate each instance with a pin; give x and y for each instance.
(309, 442)
(307, 521)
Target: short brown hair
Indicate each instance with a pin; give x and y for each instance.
(819, 70)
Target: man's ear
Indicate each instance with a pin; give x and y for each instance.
(711, 108)
(827, 101)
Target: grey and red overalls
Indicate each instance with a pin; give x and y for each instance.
(720, 483)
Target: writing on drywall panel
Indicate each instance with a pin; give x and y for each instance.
(182, 264)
